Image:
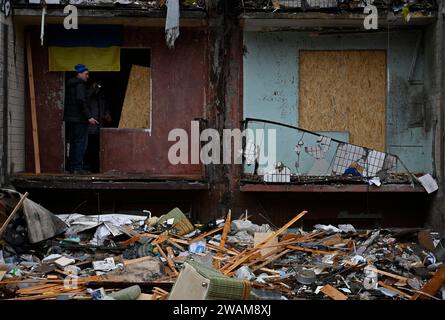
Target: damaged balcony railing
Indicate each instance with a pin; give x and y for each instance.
(276, 152)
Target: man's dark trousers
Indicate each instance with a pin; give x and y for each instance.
(78, 137)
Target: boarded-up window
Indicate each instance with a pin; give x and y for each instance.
(344, 91)
(136, 110)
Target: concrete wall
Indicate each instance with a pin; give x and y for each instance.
(16, 96)
(434, 52)
(271, 85)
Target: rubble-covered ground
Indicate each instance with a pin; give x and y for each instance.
(129, 257)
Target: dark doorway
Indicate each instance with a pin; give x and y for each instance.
(113, 86)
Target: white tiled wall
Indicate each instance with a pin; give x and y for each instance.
(16, 97)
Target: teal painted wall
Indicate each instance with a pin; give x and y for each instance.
(271, 87)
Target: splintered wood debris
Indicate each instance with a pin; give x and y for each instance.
(143, 257)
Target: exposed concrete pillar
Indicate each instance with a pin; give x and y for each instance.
(436, 88)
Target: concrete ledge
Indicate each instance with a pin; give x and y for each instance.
(104, 182)
(330, 188)
(266, 21)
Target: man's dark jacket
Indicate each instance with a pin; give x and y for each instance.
(76, 103)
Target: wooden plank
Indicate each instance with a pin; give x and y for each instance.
(32, 96)
(333, 293)
(202, 236)
(353, 97)
(160, 290)
(432, 286)
(399, 292)
(176, 245)
(181, 241)
(226, 230)
(269, 260)
(218, 249)
(38, 287)
(312, 250)
(130, 241)
(80, 281)
(13, 213)
(228, 269)
(136, 108)
(395, 276)
(162, 238)
(169, 261)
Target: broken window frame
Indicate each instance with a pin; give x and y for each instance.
(303, 178)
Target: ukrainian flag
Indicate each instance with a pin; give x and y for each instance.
(96, 46)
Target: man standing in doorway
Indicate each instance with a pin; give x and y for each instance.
(99, 110)
(77, 116)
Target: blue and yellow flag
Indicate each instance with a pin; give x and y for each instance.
(96, 46)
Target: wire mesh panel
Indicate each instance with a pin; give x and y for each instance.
(302, 153)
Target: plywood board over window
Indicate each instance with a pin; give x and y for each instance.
(137, 107)
(344, 91)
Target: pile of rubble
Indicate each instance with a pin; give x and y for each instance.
(129, 257)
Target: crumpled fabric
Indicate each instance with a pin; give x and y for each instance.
(172, 23)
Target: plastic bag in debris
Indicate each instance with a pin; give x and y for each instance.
(246, 225)
(242, 237)
(104, 265)
(244, 273)
(329, 228)
(375, 181)
(198, 246)
(387, 292)
(346, 228)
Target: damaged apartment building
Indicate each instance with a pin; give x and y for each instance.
(340, 98)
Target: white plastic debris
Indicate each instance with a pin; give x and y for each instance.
(63, 262)
(104, 265)
(375, 181)
(345, 290)
(358, 259)
(428, 183)
(330, 228)
(317, 291)
(52, 257)
(244, 273)
(387, 292)
(346, 228)
(246, 225)
(198, 246)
